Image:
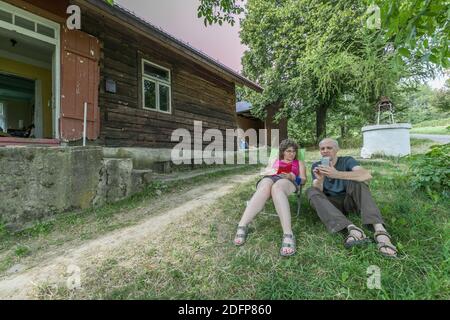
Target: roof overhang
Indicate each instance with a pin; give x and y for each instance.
(131, 21)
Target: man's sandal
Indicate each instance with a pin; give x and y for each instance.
(241, 236)
(382, 245)
(287, 245)
(356, 241)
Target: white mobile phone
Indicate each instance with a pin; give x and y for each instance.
(325, 161)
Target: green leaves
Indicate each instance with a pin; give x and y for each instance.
(431, 172)
(219, 11)
(110, 2)
(344, 276)
(412, 24)
(404, 52)
(309, 53)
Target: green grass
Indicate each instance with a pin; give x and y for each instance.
(433, 123)
(440, 126)
(71, 227)
(196, 259)
(431, 130)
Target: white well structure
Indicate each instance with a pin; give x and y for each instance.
(386, 139)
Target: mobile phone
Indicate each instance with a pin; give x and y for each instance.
(325, 161)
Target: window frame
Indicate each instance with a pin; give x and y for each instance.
(18, 12)
(157, 82)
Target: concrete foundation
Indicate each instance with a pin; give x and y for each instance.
(36, 183)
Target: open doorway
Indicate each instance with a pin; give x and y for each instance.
(26, 84)
(18, 114)
(29, 74)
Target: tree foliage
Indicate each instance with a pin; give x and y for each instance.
(219, 11)
(416, 27)
(317, 56)
(419, 27)
(441, 100)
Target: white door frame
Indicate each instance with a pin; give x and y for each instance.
(56, 59)
(38, 110)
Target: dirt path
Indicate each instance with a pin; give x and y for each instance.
(59, 268)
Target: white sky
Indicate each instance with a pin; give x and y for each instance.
(439, 82)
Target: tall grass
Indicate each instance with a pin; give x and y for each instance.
(196, 259)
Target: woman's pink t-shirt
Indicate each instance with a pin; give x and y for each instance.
(287, 167)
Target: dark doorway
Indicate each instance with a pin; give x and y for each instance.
(17, 106)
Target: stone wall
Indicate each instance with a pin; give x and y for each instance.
(37, 182)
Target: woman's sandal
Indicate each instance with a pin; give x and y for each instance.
(356, 241)
(241, 236)
(382, 245)
(288, 245)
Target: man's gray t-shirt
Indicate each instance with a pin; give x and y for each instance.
(336, 187)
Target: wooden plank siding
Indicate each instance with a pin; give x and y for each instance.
(197, 94)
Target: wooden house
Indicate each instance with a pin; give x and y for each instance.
(138, 83)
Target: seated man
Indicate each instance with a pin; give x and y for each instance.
(339, 188)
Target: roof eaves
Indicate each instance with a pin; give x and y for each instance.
(119, 10)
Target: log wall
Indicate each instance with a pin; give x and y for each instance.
(197, 94)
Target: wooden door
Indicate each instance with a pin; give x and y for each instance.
(80, 53)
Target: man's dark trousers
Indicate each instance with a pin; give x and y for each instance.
(331, 210)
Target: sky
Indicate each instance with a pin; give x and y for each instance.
(439, 82)
(179, 19)
(222, 43)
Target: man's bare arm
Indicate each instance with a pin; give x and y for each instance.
(318, 179)
(357, 174)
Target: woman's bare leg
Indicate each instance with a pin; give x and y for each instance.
(280, 192)
(257, 202)
(255, 205)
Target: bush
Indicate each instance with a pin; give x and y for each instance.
(431, 172)
(350, 142)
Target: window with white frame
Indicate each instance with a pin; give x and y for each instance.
(156, 92)
(21, 21)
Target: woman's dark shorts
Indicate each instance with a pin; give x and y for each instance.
(275, 178)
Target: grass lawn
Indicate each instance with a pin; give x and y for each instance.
(196, 259)
(72, 228)
(432, 127)
(431, 130)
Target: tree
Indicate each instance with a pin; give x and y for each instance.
(219, 11)
(309, 54)
(441, 98)
(414, 27)
(420, 28)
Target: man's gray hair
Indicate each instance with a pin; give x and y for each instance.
(336, 144)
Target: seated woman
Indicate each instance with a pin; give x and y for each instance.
(285, 176)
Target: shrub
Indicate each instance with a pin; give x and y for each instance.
(431, 172)
(351, 142)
